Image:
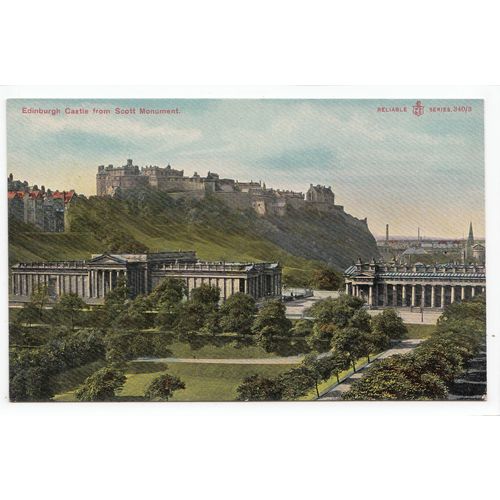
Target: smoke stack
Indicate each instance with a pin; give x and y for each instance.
(387, 233)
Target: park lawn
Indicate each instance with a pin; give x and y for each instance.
(416, 331)
(230, 350)
(204, 382)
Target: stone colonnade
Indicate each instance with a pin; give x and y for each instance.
(413, 295)
(258, 286)
(95, 283)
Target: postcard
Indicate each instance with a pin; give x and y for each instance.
(230, 249)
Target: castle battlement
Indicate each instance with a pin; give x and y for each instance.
(238, 195)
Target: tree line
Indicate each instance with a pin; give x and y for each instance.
(340, 333)
(340, 327)
(429, 370)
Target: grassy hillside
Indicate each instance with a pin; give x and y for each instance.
(153, 221)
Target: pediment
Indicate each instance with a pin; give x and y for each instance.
(106, 259)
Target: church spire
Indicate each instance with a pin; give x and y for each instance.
(470, 239)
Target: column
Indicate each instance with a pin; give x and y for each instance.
(472, 291)
(88, 293)
(452, 294)
(395, 295)
(443, 296)
(103, 285)
(433, 296)
(370, 295)
(422, 300)
(462, 292)
(347, 288)
(413, 295)
(385, 296)
(403, 295)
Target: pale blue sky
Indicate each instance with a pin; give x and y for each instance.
(400, 169)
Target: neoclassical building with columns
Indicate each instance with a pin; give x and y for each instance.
(92, 279)
(391, 284)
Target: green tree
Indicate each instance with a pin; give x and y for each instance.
(211, 321)
(191, 318)
(169, 292)
(361, 320)
(389, 323)
(237, 314)
(116, 301)
(259, 388)
(327, 279)
(162, 387)
(271, 320)
(321, 336)
(320, 368)
(375, 341)
(397, 378)
(135, 315)
(32, 383)
(302, 328)
(351, 343)
(29, 314)
(205, 299)
(67, 310)
(40, 298)
(168, 314)
(338, 363)
(337, 311)
(297, 382)
(442, 358)
(206, 294)
(465, 310)
(101, 385)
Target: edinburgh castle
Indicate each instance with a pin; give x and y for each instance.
(238, 195)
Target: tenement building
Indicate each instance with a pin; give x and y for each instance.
(92, 279)
(418, 285)
(47, 210)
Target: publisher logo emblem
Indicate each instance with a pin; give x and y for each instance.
(418, 109)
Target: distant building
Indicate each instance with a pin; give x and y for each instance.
(111, 181)
(479, 253)
(407, 250)
(43, 208)
(92, 279)
(388, 284)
